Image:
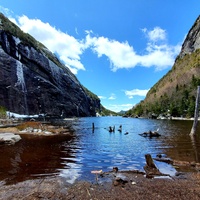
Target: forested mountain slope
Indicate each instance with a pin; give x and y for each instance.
(175, 93)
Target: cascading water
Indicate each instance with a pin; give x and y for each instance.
(22, 85)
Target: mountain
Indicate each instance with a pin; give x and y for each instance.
(106, 112)
(34, 81)
(122, 112)
(175, 93)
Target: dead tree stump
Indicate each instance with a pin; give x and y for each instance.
(150, 167)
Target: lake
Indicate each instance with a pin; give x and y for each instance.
(98, 149)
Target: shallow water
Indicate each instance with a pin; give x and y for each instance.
(36, 156)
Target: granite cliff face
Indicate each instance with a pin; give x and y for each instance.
(192, 41)
(33, 81)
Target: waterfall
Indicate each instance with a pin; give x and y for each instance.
(20, 77)
(21, 83)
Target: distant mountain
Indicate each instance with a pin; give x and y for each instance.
(34, 81)
(106, 112)
(122, 112)
(175, 93)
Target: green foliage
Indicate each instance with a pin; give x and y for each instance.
(16, 31)
(195, 81)
(106, 112)
(2, 112)
(90, 94)
(174, 93)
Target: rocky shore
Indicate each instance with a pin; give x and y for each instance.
(136, 186)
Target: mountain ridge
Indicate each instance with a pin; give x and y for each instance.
(174, 94)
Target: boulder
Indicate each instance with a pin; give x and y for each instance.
(9, 138)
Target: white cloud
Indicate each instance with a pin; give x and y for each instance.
(102, 97)
(112, 97)
(7, 12)
(156, 34)
(67, 47)
(135, 92)
(158, 53)
(119, 107)
(122, 55)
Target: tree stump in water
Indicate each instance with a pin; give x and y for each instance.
(150, 167)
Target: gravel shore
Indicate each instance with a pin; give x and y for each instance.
(135, 186)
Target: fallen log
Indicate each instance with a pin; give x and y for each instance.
(166, 160)
(178, 162)
(150, 134)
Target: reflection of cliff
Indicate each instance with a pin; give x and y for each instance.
(34, 81)
(34, 156)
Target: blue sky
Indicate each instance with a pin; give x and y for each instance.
(118, 49)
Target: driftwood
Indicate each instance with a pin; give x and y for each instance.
(166, 160)
(178, 163)
(150, 134)
(111, 129)
(120, 128)
(150, 167)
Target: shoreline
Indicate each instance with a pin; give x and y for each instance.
(135, 186)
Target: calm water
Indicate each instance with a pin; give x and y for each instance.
(88, 150)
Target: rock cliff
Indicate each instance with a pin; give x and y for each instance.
(192, 41)
(34, 81)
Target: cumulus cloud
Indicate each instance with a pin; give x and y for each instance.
(121, 55)
(102, 97)
(156, 34)
(119, 107)
(67, 47)
(6, 11)
(135, 92)
(112, 97)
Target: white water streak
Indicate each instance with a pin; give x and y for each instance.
(20, 77)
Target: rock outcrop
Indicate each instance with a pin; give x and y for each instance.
(34, 81)
(192, 41)
(9, 138)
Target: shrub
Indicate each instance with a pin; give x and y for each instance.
(32, 124)
(2, 112)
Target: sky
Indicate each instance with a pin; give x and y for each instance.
(118, 49)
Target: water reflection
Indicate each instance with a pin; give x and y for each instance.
(96, 149)
(33, 157)
(178, 144)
